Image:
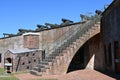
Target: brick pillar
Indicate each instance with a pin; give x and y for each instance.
(31, 40)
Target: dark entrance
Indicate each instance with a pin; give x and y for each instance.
(0, 57)
(77, 62)
(8, 65)
(9, 60)
(8, 69)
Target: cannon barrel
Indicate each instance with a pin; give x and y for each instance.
(66, 20)
(39, 26)
(22, 31)
(25, 30)
(81, 15)
(85, 17)
(98, 12)
(8, 35)
(51, 25)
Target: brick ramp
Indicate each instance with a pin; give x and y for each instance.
(76, 75)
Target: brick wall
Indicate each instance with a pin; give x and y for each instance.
(31, 41)
(110, 30)
(10, 43)
(96, 56)
(24, 61)
(50, 38)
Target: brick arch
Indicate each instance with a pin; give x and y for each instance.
(68, 55)
(82, 57)
(77, 62)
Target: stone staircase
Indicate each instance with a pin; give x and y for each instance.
(65, 52)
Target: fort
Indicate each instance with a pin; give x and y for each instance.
(59, 49)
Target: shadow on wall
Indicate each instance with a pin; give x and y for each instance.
(85, 58)
(79, 60)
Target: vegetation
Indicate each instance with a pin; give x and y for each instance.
(1, 71)
(8, 77)
(5, 76)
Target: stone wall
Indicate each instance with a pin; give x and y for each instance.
(50, 39)
(10, 43)
(23, 61)
(110, 30)
(95, 54)
(89, 56)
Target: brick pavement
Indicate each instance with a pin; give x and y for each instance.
(76, 75)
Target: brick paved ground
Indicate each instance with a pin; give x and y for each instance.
(76, 75)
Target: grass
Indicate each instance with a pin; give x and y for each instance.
(5, 76)
(1, 71)
(8, 77)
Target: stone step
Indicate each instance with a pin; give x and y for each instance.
(36, 69)
(48, 60)
(42, 69)
(44, 63)
(35, 73)
(39, 65)
(54, 55)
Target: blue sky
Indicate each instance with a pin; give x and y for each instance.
(15, 14)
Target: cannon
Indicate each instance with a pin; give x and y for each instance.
(106, 6)
(8, 35)
(25, 30)
(84, 17)
(42, 26)
(98, 12)
(52, 25)
(66, 22)
(22, 31)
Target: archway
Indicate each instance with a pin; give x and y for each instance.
(78, 61)
(88, 55)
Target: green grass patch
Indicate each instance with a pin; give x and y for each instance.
(6, 76)
(1, 71)
(3, 77)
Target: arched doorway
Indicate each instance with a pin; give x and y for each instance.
(78, 61)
